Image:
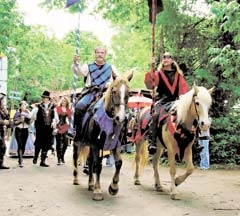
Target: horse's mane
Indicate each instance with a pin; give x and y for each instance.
(107, 94)
(183, 104)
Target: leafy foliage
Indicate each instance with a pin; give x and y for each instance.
(225, 144)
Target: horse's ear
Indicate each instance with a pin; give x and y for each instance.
(130, 75)
(211, 90)
(195, 88)
(114, 75)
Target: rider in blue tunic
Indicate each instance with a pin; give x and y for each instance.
(97, 76)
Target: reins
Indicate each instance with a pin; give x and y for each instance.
(197, 126)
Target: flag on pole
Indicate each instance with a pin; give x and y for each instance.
(71, 2)
(158, 8)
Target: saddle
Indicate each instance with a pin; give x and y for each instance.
(87, 90)
(146, 117)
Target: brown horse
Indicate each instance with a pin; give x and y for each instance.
(102, 126)
(176, 134)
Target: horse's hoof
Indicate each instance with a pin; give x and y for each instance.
(159, 188)
(112, 191)
(90, 187)
(85, 171)
(175, 196)
(137, 182)
(177, 182)
(75, 182)
(97, 197)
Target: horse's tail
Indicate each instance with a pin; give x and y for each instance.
(83, 154)
(142, 154)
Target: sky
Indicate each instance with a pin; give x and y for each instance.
(61, 22)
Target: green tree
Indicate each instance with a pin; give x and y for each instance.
(36, 61)
(207, 48)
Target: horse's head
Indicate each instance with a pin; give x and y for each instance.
(116, 98)
(194, 105)
(202, 101)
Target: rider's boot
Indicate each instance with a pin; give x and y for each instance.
(152, 138)
(78, 118)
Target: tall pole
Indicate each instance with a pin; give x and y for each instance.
(71, 127)
(153, 55)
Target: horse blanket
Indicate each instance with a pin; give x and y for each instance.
(105, 123)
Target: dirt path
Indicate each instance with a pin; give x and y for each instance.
(38, 191)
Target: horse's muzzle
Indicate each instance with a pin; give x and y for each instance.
(118, 120)
(204, 125)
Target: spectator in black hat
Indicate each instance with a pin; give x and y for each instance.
(4, 121)
(46, 119)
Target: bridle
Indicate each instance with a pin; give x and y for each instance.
(114, 104)
(195, 106)
(198, 129)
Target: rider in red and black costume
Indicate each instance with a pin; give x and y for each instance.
(170, 84)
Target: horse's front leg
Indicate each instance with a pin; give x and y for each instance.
(172, 170)
(189, 166)
(138, 158)
(97, 168)
(75, 163)
(113, 187)
(155, 163)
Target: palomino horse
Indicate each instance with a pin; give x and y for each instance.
(176, 134)
(102, 126)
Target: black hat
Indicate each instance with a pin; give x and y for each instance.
(2, 95)
(46, 94)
